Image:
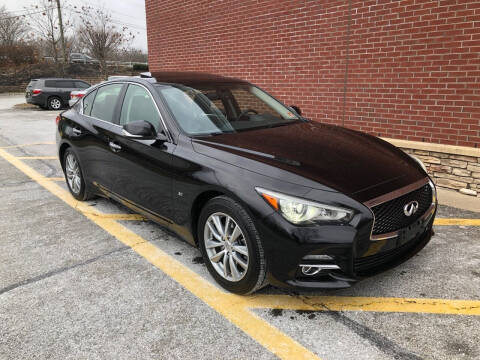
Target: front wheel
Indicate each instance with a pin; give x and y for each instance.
(231, 246)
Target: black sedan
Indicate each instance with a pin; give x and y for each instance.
(267, 195)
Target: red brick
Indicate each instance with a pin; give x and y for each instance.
(414, 66)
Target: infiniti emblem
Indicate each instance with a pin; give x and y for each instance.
(410, 208)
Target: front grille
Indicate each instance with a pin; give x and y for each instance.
(389, 216)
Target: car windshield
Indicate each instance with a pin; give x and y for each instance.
(224, 108)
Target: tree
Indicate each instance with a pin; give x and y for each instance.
(100, 36)
(133, 55)
(12, 28)
(18, 54)
(44, 22)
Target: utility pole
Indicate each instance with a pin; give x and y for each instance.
(60, 22)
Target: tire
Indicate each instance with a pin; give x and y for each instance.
(55, 103)
(236, 278)
(76, 186)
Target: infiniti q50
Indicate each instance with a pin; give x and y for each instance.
(267, 195)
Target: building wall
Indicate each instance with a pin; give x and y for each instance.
(413, 66)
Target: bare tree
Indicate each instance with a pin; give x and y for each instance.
(44, 23)
(12, 28)
(18, 54)
(100, 36)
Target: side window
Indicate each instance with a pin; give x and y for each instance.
(139, 105)
(50, 83)
(104, 104)
(88, 102)
(65, 84)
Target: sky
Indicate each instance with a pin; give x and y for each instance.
(128, 12)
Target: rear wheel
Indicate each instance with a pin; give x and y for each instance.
(54, 103)
(231, 246)
(74, 176)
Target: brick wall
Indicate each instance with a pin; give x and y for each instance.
(413, 65)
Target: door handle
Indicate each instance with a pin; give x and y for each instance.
(115, 147)
(77, 131)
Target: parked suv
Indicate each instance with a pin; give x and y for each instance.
(52, 93)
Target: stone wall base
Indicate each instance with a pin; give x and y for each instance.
(453, 167)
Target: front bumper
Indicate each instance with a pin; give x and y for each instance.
(350, 248)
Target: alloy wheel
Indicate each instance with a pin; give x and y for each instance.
(226, 246)
(55, 104)
(74, 176)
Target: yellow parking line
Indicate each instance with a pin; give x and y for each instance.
(26, 145)
(231, 306)
(375, 304)
(55, 178)
(465, 222)
(37, 157)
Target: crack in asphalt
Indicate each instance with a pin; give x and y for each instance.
(60, 270)
(18, 183)
(381, 342)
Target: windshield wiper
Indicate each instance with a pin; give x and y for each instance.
(215, 133)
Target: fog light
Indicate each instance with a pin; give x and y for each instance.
(310, 270)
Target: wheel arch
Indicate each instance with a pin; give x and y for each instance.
(61, 152)
(206, 196)
(197, 207)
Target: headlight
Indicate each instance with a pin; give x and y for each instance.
(419, 162)
(301, 211)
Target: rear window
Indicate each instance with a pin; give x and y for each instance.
(32, 83)
(81, 85)
(50, 83)
(88, 102)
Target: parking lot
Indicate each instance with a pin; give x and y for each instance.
(92, 280)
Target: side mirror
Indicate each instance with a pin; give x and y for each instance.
(140, 130)
(296, 109)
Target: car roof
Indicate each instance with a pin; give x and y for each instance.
(194, 78)
(187, 78)
(59, 79)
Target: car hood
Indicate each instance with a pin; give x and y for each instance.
(344, 160)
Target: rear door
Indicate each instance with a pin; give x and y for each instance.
(100, 111)
(144, 176)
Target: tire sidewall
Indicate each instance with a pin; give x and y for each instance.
(81, 194)
(256, 266)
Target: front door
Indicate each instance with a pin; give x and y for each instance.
(144, 176)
